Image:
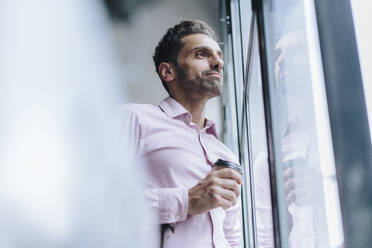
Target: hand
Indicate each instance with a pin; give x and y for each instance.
(300, 184)
(221, 188)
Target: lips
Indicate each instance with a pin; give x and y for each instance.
(215, 74)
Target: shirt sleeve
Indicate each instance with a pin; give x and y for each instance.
(265, 236)
(132, 129)
(170, 203)
(232, 225)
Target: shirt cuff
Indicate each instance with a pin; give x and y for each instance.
(173, 204)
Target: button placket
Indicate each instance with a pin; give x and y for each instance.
(204, 149)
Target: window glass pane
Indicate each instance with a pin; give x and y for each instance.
(306, 158)
(230, 134)
(259, 157)
(237, 51)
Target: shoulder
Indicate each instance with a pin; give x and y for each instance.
(137, 110)
(142, 114)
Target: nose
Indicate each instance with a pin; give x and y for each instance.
(217, 63)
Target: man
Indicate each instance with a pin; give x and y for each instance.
(179, 145)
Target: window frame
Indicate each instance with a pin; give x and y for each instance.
(337, 75)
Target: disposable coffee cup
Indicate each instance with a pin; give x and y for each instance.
(220, 164)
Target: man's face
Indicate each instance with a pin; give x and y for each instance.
(199, 66)
(291, 64)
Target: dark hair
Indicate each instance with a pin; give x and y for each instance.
(170, 45)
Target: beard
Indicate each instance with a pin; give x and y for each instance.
(198, 84)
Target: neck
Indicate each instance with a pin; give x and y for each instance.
(195, 106)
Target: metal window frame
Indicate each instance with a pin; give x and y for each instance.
(349, 122)
(242, 42)
(234, 12)
(343, 80)
(241, 74)
(272, 130)
(247, 127)
(231, 25)
(348, 118)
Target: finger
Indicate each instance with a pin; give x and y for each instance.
(225, 183)
(229, 173)
(289, 185)
(300, 171)
(230, 184)
(228, 195)
(221, 197)
(290, 197)
(299, 194)
(300, 182)
(288, 173)
(223, 202)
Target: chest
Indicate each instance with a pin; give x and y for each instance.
(178, 154)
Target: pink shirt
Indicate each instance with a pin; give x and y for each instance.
(177, 155)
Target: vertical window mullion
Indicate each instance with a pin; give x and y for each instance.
(272, 133)
(348, 118)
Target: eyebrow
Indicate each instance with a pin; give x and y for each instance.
(219, 51)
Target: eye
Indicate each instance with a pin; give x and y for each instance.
(200, 54)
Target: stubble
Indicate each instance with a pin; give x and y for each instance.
(198, 85)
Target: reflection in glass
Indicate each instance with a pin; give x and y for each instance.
(309, 192)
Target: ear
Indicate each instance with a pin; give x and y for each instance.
(167, 71)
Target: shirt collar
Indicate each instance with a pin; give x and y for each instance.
(210, 127)
(174, 109)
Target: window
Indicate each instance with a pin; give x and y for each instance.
(285, 123)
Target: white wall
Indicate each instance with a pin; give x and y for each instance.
(137, 39)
